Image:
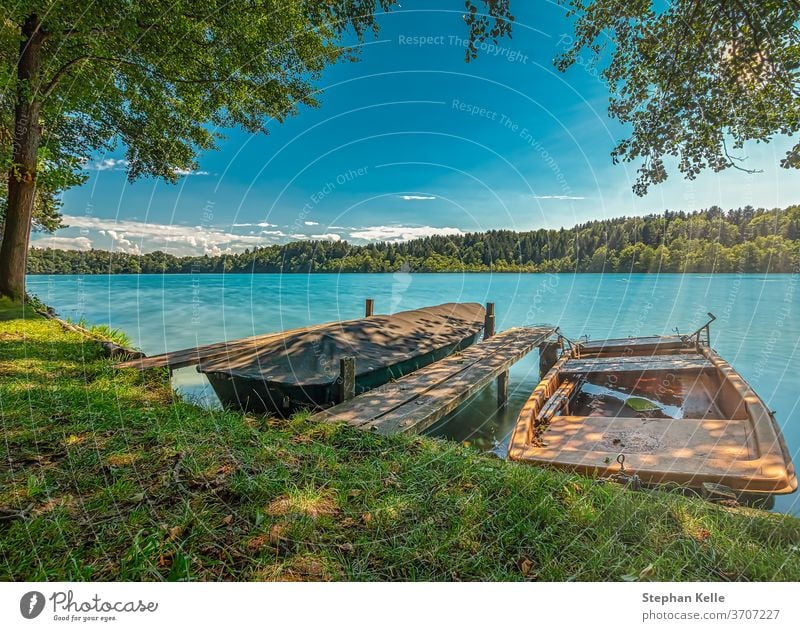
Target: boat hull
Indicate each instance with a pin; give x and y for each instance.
(268, 397)
(716, 430)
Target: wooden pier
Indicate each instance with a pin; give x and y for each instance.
(410, 404)
(416, 401)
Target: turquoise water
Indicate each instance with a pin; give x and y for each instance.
(757, 328)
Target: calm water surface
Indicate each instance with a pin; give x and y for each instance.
(757, 330)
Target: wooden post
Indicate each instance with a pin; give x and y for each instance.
(369, 307)
(502, 379)
(502, 390)
(548, 354)
(347, 378)
(488, 322)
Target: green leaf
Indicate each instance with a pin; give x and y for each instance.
(641, 405)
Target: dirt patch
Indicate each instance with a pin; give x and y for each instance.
(311, 506)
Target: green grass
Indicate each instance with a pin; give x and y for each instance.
(103, 331)
(115, 478)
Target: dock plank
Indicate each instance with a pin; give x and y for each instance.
(416, 401)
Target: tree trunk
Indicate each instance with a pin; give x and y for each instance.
(22, 174)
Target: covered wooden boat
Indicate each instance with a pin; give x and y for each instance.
(675, 409)
(301, 369)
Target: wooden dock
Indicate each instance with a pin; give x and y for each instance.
(416, 401)
(410, 404)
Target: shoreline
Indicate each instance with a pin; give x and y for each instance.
(439, 273)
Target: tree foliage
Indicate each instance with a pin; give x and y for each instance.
(694, 79)
(744, 240)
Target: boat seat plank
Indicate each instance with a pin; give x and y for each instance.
(417, 400)
(669, 438)
(660, 342)
(636, 364)
(559, 399)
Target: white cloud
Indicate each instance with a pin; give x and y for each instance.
(63, 243)
(328, 236)
(183, 172)
(311, 223)
(416, 197)
(115, 164)
(121, 243)
(176, 239)
(400, 233)
(134, 237)
(109, 164)
(557, 197)
(263, 224)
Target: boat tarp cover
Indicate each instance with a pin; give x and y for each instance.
(312, 357)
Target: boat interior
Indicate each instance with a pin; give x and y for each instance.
(674, 408)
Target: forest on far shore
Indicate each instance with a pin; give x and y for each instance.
(745, 240)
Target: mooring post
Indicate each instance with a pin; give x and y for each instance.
(502, 390)
(548, 354)
(369, 307)
(488, 321)
(502, 380)
(347, 378)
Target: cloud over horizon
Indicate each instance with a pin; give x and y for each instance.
(136, 237)
(400, 233)
(63, 243)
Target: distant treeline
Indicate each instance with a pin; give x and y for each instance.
(712, 240)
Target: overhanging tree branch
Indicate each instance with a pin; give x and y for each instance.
(51, 85)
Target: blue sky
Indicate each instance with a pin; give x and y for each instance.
(411, 141)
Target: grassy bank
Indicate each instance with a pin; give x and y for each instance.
(105, 475)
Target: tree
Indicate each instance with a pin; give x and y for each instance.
(159, 78)
(694, 79)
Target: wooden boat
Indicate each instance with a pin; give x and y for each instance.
(302, 369)
(674, 409)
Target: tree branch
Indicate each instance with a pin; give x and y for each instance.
(116, 60)
(105, 30)
(733, 159)
(51, 85)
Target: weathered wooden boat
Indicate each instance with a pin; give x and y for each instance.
(302, 369)
(674, 409)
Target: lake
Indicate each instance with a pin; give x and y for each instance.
(757, 328)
